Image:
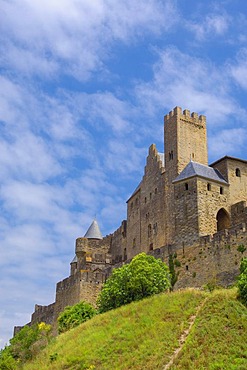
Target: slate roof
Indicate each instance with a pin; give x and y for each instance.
(93, 231)
(197, 169)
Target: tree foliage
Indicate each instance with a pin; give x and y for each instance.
(74, 315)
(142, 277)
(242, 281)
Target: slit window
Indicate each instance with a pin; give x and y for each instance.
(209, 187)
(238, 172)
(221, 190)
(186, 186)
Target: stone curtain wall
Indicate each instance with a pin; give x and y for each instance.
(213, 260)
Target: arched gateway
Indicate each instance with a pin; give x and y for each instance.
(223, 220)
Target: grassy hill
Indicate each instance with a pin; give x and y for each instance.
(193, 329)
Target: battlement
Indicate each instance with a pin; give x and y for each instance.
(185, 115)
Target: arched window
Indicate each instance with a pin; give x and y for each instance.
(238, 172)
(223, 220)
(209, 187)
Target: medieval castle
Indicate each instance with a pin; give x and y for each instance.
(183, 210)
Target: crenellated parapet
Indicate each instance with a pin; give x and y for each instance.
(186, 116)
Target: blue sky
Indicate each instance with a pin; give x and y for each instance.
(84, 86)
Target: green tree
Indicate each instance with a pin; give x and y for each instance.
(142, 277)
(74, 315)
(242, 281)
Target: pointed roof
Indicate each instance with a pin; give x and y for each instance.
(93, 231)
(197, 169)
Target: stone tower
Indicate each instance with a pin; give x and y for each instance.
(185, 140)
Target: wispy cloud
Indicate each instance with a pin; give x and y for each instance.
(239, 69)
(73, 37)
(213, 25)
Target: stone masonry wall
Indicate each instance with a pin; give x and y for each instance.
(213, 260)
(145, 210)
(238, 184)
(212, 196)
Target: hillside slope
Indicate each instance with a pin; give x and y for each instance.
(197, 330)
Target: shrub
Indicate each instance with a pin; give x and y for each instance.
(25, 345)
(74, 315)
(142, 277)
(242, 281)
(241, 248)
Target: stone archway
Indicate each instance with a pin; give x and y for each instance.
(223, 220)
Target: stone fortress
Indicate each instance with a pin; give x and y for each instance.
(184, 211)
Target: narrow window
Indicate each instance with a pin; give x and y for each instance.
(238, 172)
(145, 200)
(150, 195)
(209, 187)
(134, 242)
(156, 191)
(187, 267)
(186, 186)
(149, 230)
(221, 190)
(151, 247)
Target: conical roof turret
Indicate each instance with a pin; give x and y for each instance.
(93, 231)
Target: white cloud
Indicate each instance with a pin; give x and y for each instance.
(228, 142)
(41, 35)
(239, 69)
(211, 26)
(189, 81)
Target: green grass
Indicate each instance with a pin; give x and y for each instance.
(144, 335)
(218, 339)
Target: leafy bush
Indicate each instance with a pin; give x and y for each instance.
(74, 315)
(142, 277)
(25, 345)
(241, 248)
(242, 281)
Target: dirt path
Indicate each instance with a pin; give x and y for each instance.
(184, 336)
